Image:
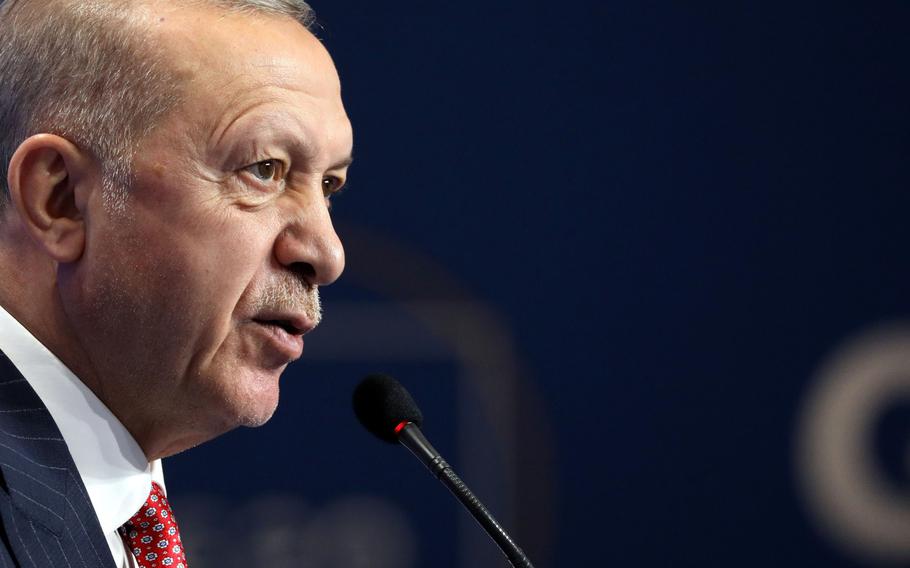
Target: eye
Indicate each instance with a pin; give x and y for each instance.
(331, 185)
(267, 170)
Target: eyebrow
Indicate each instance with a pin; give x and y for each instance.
(343, 163)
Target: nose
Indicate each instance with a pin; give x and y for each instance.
(310, 246)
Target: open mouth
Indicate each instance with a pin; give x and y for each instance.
(286, 325)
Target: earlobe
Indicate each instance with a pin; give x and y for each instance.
(49, 179)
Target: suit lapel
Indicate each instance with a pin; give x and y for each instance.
(47, 515)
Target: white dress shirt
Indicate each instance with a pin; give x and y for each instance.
(114, 469)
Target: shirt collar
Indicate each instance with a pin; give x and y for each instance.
(114, 469)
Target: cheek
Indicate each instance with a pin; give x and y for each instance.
(207, 244)
(197, 251)
(215, 270)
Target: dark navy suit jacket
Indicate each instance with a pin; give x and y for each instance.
(46, 517)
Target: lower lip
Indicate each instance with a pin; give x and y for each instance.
(285, 343)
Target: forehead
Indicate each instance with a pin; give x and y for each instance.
(231, 64)
(205, 42)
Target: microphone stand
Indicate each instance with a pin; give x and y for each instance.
(410, 435)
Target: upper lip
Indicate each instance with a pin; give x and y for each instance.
(293, 323)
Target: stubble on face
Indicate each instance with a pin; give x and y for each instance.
(287, 292)
(282, 292)
(170, 304)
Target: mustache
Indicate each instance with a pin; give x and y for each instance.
(290, 293)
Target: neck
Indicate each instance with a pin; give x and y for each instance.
(30, 292)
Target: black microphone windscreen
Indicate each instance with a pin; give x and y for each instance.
(381, 404)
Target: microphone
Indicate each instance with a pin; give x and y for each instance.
(386, 409)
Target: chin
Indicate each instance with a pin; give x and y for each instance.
(256, 408)
(251, 401)
(257, 417)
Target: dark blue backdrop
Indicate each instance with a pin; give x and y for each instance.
(676, 211)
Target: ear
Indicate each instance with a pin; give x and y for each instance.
(50, 180)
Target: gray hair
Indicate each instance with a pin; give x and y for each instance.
(84, 70)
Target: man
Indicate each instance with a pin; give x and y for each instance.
(164, 232)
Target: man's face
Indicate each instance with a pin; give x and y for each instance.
(195, 298)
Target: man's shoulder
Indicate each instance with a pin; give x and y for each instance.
(45, 513)
(32, 452)
(27, 431)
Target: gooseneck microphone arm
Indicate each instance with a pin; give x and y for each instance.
(410, 436)
(386, 409)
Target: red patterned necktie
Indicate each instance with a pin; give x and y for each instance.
(152, 534)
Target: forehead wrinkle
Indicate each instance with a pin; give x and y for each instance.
(246, 75)
(218, 133)
(299, 124)
(300, 138)
(295, 70)
(258, 99)
(275, 121)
